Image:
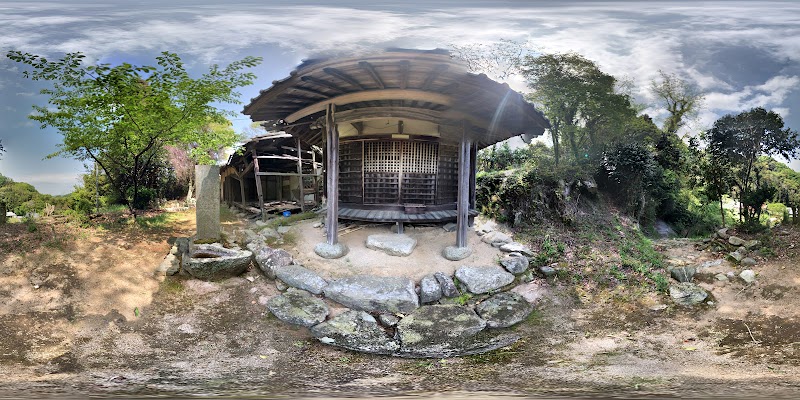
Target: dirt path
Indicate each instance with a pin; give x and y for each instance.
(78, 334)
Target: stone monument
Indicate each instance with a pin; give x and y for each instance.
(207, 211)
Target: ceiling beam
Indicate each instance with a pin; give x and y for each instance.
(341, 75)
(371, 95)
(433, 75)
(405, 66)
(323, 83)
(373, 73)
(310, 91)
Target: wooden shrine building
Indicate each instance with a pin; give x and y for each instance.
(400, 131)
(273, 172)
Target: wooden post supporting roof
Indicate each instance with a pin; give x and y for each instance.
(332, 176)
(257, 177)
(300, 178)
(464, 168)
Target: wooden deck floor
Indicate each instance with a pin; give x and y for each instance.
(399, 216)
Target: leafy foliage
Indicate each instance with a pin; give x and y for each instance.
(681, 99)
(122, 116)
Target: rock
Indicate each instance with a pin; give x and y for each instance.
(547, 271)
(316, 225)
(515, 264)
(430, 290)
(683, 274)
(736, 241)
(213, 262)
(392, 244)
(454, 253)
(450, 227)
(388, 320)
(283, 229)
(374, 293)
(590, 186)
(735, 256)
(483, 279)
(268, 259)
(331, 251)
(447, 285)
(687, 294)
(496, 238)
(751, 244)
(300, 277)
(723, 234)
(748, 262)
(355, 330)
(515, 247)
(664, 230)
(712, 263)
(721, 277)
(280, 285)
(748, 276)
(169, 266)
(298, 307)
(267, 233)
(504, 309)
(247, 236)
(438, 329)
(260, 223)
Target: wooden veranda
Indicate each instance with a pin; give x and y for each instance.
(400, 131)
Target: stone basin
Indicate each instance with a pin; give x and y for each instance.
(214, 262)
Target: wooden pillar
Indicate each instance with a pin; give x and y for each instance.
(472, 174)
(241, 189)
(316, 177)
(463, 187)
(258, 186)
(300, 172)
(332, 176)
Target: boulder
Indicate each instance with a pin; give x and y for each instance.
(213, 262)
(447, 285)
(735, 256)
(455, 253)
(300, 277)
(268, 259)
(496, 238)
(515, 264)
(450, 227)
(687, 294)
(515, 247)
(374, 293)
(267, 233)
(388, 320)
(247, 236)
(683, 274)
(355, 330)
(723, 234)
(331, 251)
(169, 266)
(751, 244)
(429, 290)
(438, 329)
(283, 229)
(298, 307)
(748, 261)
(736, 241)
(483, 279)
(547, 270)
(748, 276)
(504, 309)
(392, 244)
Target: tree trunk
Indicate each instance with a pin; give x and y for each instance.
(721, 211)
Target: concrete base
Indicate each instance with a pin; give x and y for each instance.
(329, 251)
(454, 253)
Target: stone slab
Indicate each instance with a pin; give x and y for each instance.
(355, 330)
(480, 280)
(392, 244)
(374, 293)
(208, 203)
(301, 277)
(298, 307)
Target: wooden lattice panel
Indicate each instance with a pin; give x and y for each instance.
(350, 175)
(419, 157)
(447, 175)
(383, 156)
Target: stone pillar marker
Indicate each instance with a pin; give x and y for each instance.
(207, 209)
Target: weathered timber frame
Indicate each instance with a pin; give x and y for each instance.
(406, 97)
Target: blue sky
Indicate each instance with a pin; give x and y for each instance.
(742, 54)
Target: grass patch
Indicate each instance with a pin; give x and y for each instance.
(284, 221)
(172, 286)
(501, 355)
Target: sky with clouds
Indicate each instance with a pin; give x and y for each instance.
(741, 54)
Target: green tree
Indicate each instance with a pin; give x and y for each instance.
(122, 116)
(681, 99)
(739, 140)
(580, 101)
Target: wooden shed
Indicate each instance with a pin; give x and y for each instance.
(400, 131)
(272, 173)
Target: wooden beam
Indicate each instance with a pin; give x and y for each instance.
(405, 67)
(373, 73)
(463, 186)
(257, 177)
(323, 83)
(290, 97)
(300, 171)
(341, 75)
(433, 75)
(332, 176)
(371, 95)
(311, 91)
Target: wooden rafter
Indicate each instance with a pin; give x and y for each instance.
(373, 73)
(311, 91)
(433, 75)
(371, 95)
(323, 83)
(405, 67)
(343, 76)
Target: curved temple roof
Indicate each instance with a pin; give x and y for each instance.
(405, 84)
